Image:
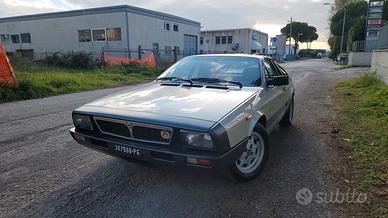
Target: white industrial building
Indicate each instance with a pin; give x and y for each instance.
(116, 28)
(244, 40)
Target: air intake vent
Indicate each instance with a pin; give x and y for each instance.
(170, 84)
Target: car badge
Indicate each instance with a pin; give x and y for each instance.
(129, 125)
(166, 135)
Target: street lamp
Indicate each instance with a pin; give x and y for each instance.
(343, 25)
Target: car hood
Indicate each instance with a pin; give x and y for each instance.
(206, 104)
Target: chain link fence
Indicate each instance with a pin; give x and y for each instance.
(164, 57)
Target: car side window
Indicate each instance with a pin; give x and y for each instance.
(270, 68)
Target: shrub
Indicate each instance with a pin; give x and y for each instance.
(75, 60)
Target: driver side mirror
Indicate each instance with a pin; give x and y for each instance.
(278, 81)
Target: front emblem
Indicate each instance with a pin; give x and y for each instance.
(129, 125)
(166, 135)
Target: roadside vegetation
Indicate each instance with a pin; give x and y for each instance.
(356, 14)
(363, 121)
(66, 74)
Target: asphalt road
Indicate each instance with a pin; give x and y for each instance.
(43, 172)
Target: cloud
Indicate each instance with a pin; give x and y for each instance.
(267, 16)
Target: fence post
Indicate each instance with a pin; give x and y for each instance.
(102, 56)
(139, 52)
(175, 55)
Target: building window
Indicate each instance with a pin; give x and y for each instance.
(230, 39)
(167, 50)
(99, 35)
(15, 39)
(218, 40)
(223, 40)
(175, 27)
(25, 37)
(84, 36)
(113, 34)
(4, 38)
(167, 26)
(201, 40)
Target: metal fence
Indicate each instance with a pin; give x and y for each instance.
(365, 45)
(164, 57)
(372, 44)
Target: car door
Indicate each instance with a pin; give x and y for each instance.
(288, 90)
(272, 96)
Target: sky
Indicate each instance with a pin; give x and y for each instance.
(268, 16)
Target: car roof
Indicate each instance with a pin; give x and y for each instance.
(261, 57)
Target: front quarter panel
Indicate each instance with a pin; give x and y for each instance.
(240, 122)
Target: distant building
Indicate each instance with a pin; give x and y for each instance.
(245, 40)
(278, 47)
(120, 28)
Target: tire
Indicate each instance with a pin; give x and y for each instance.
(258, 144)
(288, 116)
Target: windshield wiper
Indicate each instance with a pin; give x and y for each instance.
(215, 80)
(176, 78)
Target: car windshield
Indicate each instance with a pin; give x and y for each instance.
(217, 69)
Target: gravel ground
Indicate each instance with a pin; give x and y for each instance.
(44, 173)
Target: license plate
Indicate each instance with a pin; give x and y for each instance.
(127, 150)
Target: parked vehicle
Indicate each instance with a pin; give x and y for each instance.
(207, 111)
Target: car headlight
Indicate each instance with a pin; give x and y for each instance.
(83, 121)
(197, 140)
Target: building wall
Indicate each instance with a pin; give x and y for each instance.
(61, 33)
(380, 64)
(383, 38)
(242, 37)
(360, 58)
(145, 31)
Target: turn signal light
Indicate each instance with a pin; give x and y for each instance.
(77, 136)
(198, 161)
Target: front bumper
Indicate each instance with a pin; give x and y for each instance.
(134, 151)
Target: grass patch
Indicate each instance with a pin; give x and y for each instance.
(363, 119)
(40, 82)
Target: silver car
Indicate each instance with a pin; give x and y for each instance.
(206, 111)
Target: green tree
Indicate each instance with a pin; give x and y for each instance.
(356, 32)
(339, 4)
(301, 32)
(353, 13)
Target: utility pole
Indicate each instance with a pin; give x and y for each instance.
(289, 48)
(343, 25)
(343, 31)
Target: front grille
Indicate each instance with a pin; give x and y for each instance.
(150, 134)
(134, 130)
(114, 128)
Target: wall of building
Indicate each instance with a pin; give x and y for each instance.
(242, 37)
(145, 31)
(360, 59)
(60, 34)
(380, 64)
(383, 38)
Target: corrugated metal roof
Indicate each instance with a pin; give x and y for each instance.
(101, 10)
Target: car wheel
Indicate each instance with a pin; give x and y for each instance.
(288, 116)
(252, 160)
